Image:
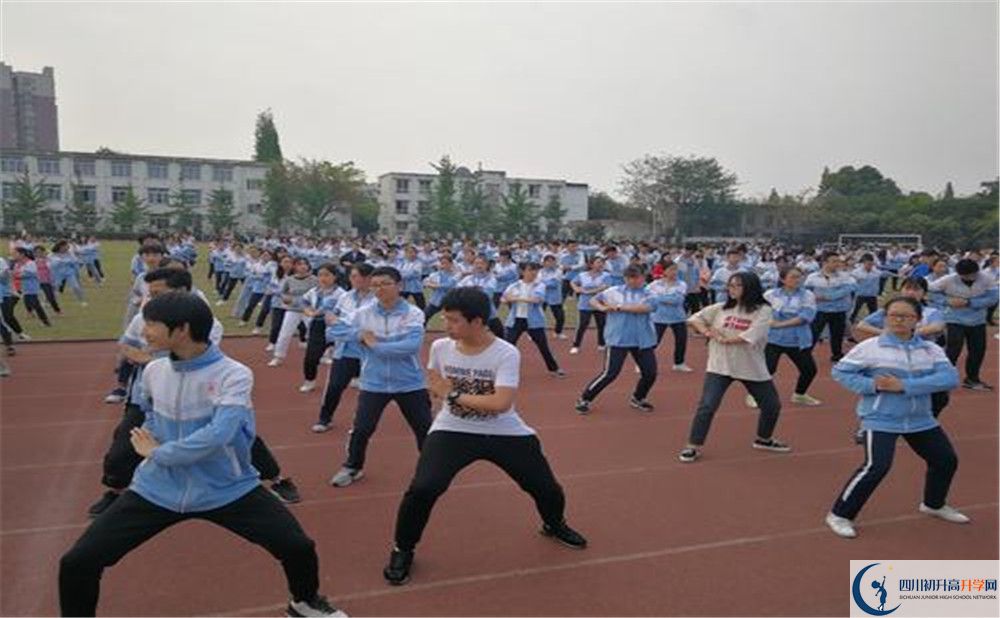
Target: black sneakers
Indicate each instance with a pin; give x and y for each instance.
(640, 404)
(286, 491)
(582, 406)
(975, 385)
(102, 505)
(565, 535)
(771, 445)
(397, 572)
(319, 606)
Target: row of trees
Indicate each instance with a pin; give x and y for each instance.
(460, 204)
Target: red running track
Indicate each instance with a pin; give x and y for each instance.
(738, 533)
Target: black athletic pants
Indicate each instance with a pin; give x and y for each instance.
(230, 286)
(33, 305)
(863, 301)
(342, 372)
(838, 323)
(416, 409)
(446, 453)
(131, 520)
(614, 358)
(693, 302)
(315, 347)
(8, 314)
(801, 358)
(715, 387)
(560, 317)
(932, 446)
(680, 339)
(418, 299)
(537, 335)
(50, 296)
(581, 328)
(252, 302)
(975, 338)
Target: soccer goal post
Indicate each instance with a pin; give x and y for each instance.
(880, 240)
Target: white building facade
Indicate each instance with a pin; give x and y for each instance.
(104, 180)
(402, 195)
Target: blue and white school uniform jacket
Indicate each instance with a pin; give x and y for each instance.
(29, 277)
(485, 282)
(347, 304)
(929, 316)
(981, 295)
(833, 292)
(784, 306)
(866, 280)
(720, 279)
(322, 300)
(616, 269)
(532, 312)
(920, 365)
(572, 264)
(412, 272)
(5, 279)
(201, 413)
(668, 298)
(552, 278)
(588, 281)
(936, 299)
(505, 274)
(393, 364)
(689, 271)
(444, 281)
(628, 330)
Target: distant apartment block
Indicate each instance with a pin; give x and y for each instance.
(402, 195)
(104, 179)
(29, 117)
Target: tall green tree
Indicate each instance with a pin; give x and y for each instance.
(364, 216)
(130, 213)
(865, 180)
(182, 214)
(320, 188)
(443, 214)
(27, 209)
(476, 212)
(221, 215)
(553, 214)
(519, 216)
(949, 191)
(277, 203)
(81, 214)
(267, 147)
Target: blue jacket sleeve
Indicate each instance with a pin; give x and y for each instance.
(850, 375)
(943, 378)
(984, 300)
(406, 344)
(225, 423)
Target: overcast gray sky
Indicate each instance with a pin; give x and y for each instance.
(775, 91)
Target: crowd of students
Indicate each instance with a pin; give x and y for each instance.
(363, 308)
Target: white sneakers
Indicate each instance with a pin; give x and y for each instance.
(805, 400)
(269, 347)
(255, 331)
(946, 513)
(274, 362)
(750, 401)
(841, 526)
(354, 383)
(562, 336)
(682, 368)
(844, 527)
(307, 386)
(574, 350)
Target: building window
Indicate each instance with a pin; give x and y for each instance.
(534, 190)
(402, 207)
(156, 169)
(555, 190)
(160, 222)
(53, 193)
(222, 174)
(84, 168)
(9, 190)
(121, 169)
(425, 186)
(225, 196)
(402, 185)
(158, 195)
(255, 184)
(423, 206)
(192, 197)
(85, 194)
(191, 171)
(48, 166)
(12, 164)
(253, 209)
(118, 194)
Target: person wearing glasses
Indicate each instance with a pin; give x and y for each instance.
(896, 373)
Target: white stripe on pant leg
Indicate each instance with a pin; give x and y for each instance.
(869, 439)
(604, 372)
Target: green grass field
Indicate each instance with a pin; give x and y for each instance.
(102, 318)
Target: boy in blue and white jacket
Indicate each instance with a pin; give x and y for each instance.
(551, 276)
(391, 333)
(833, 289)
(196, 444)
(895, 375)
(866, 278)
(629, 330)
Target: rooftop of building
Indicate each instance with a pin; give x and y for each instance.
(8, 152)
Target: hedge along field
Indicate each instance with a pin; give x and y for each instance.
(105, 310)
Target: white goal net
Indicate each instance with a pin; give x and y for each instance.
(880, 241)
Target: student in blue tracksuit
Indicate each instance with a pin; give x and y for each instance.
(439, 282)
(412, 271)
(867, 278)
(27, 272)
(236, 271)
(318, 301)
(832, 288)
(525, 299)
(669, 296)
(895, 374)
(65, 270)
(969, 293)
(629, 331)
(506, 273)
(196, 444)
(347, 352)
(391, 333)
(721, 275)
(792, 311)
(551, 276)
(572, 262)
(588, 283)
(482, 278)
(615, 264)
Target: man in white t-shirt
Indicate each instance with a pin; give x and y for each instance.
(476, 375)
